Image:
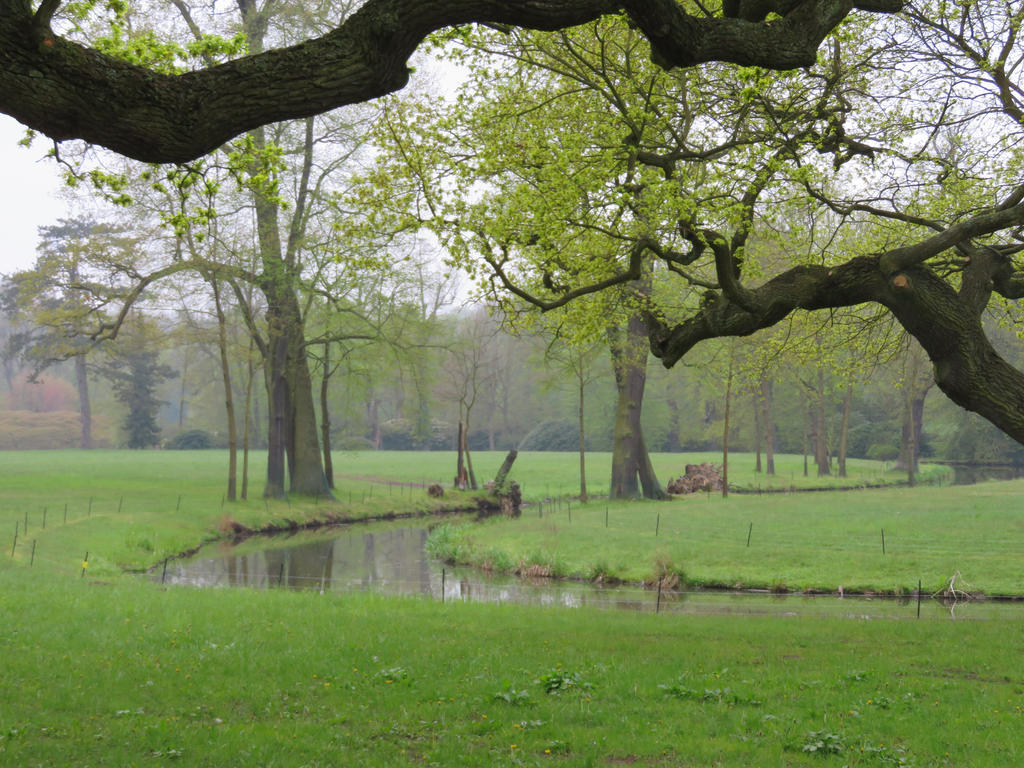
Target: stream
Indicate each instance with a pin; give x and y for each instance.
(390, 558)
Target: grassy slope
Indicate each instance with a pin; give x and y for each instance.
(124, 674)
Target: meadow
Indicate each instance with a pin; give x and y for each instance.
(879, 540)
(104, 668)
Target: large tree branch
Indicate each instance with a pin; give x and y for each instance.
(976, 226)
(66, 90)
(808, 287)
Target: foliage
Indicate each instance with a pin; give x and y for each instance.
(190, 440)
(740, 195)
(403, 435)
(134, 377)
(822, 743)
(560, 680)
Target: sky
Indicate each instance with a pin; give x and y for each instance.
(28, 196)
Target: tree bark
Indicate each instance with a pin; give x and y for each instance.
(69, 91)
(631, 465)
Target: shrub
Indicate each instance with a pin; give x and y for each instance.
(402, 435)
(190, 440)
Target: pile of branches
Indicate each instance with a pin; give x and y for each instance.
(698, 477)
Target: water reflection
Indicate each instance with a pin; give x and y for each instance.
(394, 561)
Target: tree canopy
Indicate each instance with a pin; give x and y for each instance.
(887, 174)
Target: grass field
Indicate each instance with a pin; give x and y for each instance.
(102, 668)
(131, 509)
(798, 541)
(123, 673)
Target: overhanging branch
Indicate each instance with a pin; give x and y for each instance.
(68, 91)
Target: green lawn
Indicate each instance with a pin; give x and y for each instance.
(102, 668)
(797, 541)
(124, 673)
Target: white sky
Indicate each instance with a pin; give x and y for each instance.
(28, 196)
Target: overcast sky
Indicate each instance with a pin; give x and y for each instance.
(28, 196)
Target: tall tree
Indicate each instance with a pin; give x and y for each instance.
(50, 299)
(135, 372)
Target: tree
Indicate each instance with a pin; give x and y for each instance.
(134, 372)
(256, 214)
(816, 162)
(578, 361)
(68, 90)
(936, 259)
(50, 299)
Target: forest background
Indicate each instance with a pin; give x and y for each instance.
(253, 279)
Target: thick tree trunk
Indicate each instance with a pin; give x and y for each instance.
(306, 470)
(631, 467)
(84, 405)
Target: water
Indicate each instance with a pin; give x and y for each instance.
(391, 559)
